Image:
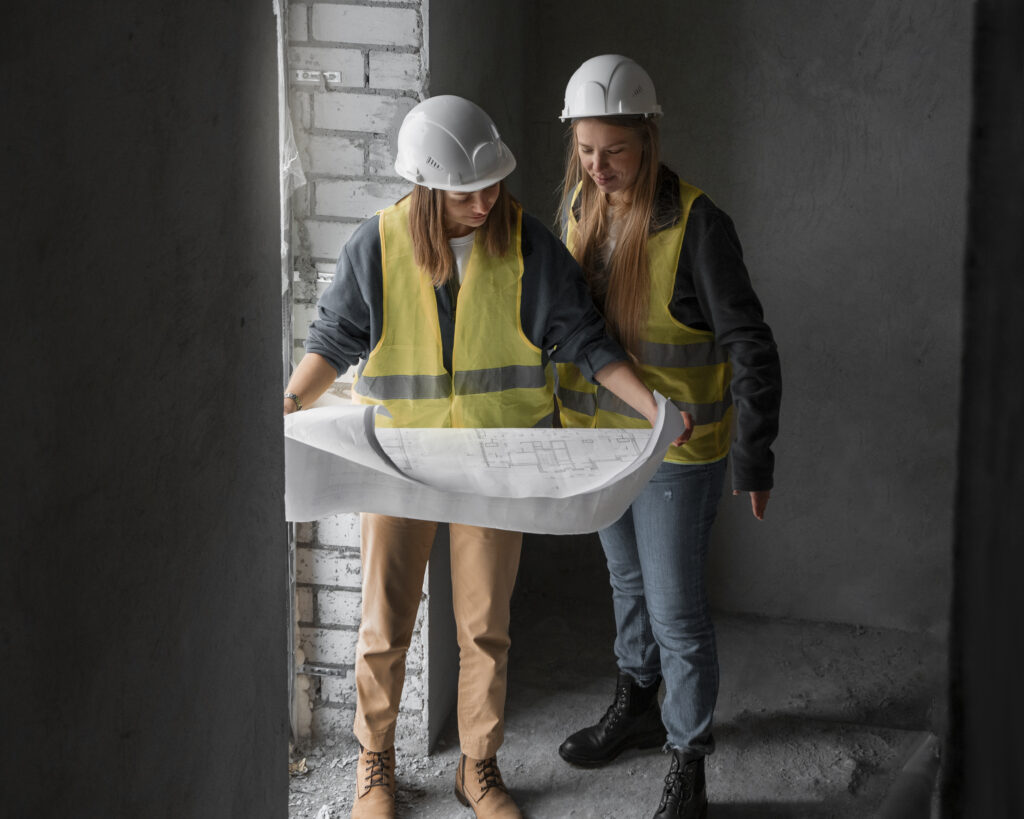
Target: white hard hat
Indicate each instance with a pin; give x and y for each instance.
(609, 85)
(450, 143)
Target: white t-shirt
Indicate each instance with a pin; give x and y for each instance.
(614, 229)
(462, 247)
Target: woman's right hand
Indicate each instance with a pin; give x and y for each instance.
(311, 379)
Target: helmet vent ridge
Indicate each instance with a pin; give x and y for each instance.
(638, 91)
(433, 163)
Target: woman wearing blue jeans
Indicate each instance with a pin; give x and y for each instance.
(665, 268)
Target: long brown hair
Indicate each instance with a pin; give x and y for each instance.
(430, 239)
(628, 274)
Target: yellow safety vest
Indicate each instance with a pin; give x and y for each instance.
(499, 377)
(682, 363)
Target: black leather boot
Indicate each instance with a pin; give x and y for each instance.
(632, 721)
(685, 795)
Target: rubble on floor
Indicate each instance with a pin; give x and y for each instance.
(814, 721)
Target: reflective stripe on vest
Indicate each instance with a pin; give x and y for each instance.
(680, 362)
(500, 377)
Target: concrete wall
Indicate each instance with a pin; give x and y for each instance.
(479, 51)
(142, 588)
(984, 758)
(835, 136)
(345, 128)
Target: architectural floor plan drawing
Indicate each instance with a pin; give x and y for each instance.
(513, 462)
(560, 481)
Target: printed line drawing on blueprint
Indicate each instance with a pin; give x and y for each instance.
(514, 462)
(560, 481)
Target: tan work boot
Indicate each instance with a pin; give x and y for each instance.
(478, 786)
(375, 785)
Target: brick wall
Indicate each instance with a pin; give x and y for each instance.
(327, 603)
(354, 71)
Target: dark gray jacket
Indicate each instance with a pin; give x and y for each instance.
(713, 292)
(556, 310)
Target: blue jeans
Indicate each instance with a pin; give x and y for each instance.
(656, 555)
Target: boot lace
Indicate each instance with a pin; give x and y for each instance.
(679, 784)
(488, 775)
(618, 707)
(378, 769)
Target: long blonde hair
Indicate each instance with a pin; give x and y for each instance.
(430, 238)
(628, 274)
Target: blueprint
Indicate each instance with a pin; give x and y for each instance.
(514, 463)
(559, 481)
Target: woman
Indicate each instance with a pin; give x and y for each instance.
(665, 268)
(460, 240)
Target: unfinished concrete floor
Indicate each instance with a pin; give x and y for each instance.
(814, 720)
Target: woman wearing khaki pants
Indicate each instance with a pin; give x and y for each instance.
(458, 240)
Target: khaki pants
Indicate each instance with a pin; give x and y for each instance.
(484, 566)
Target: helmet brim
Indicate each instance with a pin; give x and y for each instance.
(499, 173)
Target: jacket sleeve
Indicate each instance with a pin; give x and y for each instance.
(349, 312)
(556, 310)
(713, 279)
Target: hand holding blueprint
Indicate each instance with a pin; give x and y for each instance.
(558, 481)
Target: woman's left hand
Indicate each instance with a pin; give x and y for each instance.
(758, 502)
(687, 429)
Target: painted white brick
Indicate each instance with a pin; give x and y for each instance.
(339, 689)
(365, 24)
(332, 722)
(349, 61)
(399, 70)
(326, 568)
(298, 28)
(363, 32)
(382, 158)
(339, 608)
(300, 203)
(300, 106)
(326, 239)
(340, 530)
(341, 111)
(356, 199)
(304, 604)
(333, 155)
(302, 316)
(328, 645)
